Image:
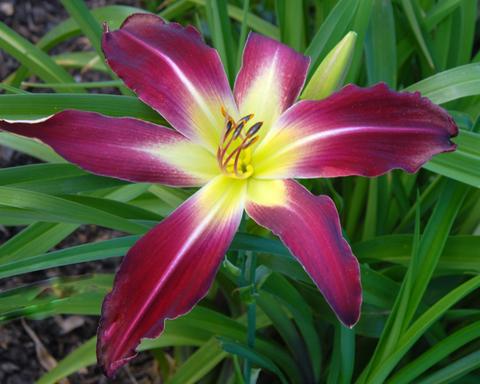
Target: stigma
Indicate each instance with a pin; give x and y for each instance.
(234, 154)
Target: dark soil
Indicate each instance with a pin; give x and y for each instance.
(20, 358)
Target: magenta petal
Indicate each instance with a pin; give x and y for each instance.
(356, 131)
(270, 80)
(168, 271)
(172, 70)
(124, 148)
(310, 227)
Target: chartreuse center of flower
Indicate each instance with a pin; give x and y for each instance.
(234, 153)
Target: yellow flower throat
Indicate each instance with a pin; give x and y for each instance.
(234, 154)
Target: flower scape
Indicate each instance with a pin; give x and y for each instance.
(244, 149)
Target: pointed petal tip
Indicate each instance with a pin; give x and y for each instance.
(107, 359)
(170, 68)
(275, 69)
(351, 319)
(315, 239)
(110, 369)
(382, 87)
(350, 315)
(161, 277)
(368, 132)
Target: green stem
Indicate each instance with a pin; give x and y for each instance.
(251, 264)
(247, 261)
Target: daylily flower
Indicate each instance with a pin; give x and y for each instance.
(244, 149)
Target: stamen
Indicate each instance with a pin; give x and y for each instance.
(235, 164)
(232, 138)
(236, 161)
(228, 127)
(238, 130)
(254, 129)
(246, 118)
(229, 157)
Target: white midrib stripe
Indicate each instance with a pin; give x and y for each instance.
(183, 250)
(271, 73)
(184, 79)
(325, 134)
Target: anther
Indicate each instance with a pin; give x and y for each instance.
(229, 127)
(254, 129)
(246, 118)
(238, 130)
(224, 111)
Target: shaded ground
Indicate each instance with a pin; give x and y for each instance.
(27, 345)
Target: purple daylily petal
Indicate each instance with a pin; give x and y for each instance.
(356, 131)
(168, 270)
(310, 227)
(123, 148)
(174, 71)
(270, 80)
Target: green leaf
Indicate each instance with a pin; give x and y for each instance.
(221, 31)
(37, 238)
(32, 57)
(114, 14)
(257, 358)
(440, 11)
(460, 254)
(81, 357)
(435, 354)
(291, 22)
(81, 60)
(176, 9)
(455, 370)
(464, 19)
(450, 85)
(343, 356)
(417, 30)
(12, 107)
(421, 325)
(380, 48)
(30, 147)
(287, 331)
(424, 259)
(89, 26)
(93, 84)
(286, 293)
(54, 179)
(254, 22)
(243, 34)
(360, 24)
(65, 211)
(442, 42)
(38, 172)
(199, 363)
(433, 241)
(331, 32)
